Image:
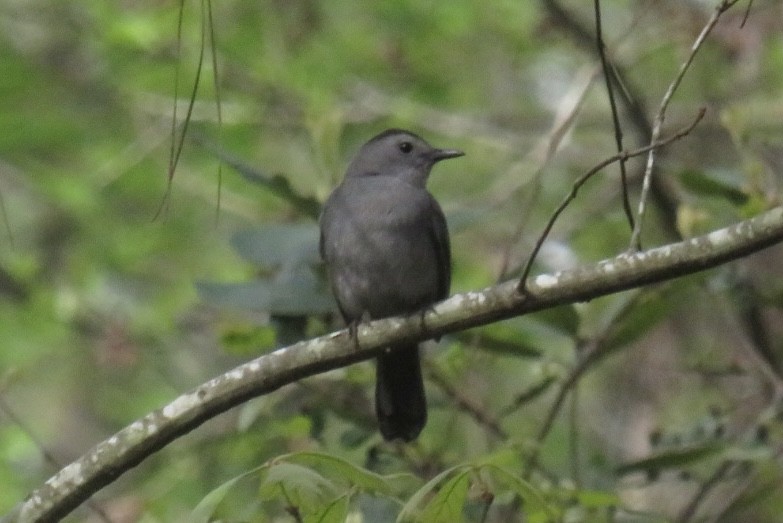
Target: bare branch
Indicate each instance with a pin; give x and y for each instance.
(542, 154)
(466, 404)
(116, 455)
(661, 115)
(618, 131)
(586, 176)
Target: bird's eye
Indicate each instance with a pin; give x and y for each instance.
(406, 147)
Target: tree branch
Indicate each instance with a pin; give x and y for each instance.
(114, 456)
(660, 116)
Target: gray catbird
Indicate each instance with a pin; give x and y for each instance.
(386, 245)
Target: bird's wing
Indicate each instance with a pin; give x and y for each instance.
(326, 220)
(321, 246)
(440, 239)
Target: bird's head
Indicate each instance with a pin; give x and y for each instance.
(399, 153)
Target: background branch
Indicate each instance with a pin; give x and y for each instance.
(110, 458)
(661, 115)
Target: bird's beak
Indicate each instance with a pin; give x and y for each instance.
(445, 154)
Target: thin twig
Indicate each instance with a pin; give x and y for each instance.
(4, 217)
(635, 244)
(586, 176)
(528, 395)
(218, 104)
(720, 473)
(173, 154)
(752, 348)
(542, 153)
(634, 105)
(178, 142)
(48, 457)
(738, 491)
(177, 64)
(747, 13)
(466, 404)
(588, 352)
(573, 437)
(618, 131)
(728, 468)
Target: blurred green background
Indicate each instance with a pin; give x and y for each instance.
(116, 295)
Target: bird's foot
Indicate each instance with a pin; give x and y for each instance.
(353, 333)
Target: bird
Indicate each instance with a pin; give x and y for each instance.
(385, 242)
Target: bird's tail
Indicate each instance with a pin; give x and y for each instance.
(399, 394)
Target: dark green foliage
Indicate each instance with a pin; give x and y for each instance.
(622, 408)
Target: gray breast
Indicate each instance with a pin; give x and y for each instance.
(379, 247)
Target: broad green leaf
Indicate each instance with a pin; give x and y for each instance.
(205, 510)
(712, 184)
(279, 244)
(564, 318)
(597, 498)
(334, 512)
(339, 469)
(301, 486)
(507, 456)
(275, 183)
(755, 496)
(247, 340)
(534, 501)
(446, 505)
(649, 308)
(520, 346)
(526, 337)
(410, 508)
(672, 458)
(294, 296)
(754, 452)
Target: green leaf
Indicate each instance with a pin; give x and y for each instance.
(534, 501)
(303, 487)
(713, 184)
(520, 346)
(564, 318)
(446, 506)
(206, 508)
(651, 306)
(597, 498)
(752, 498)
(276, 184)
(754, 452)
(345, 471)
(673, 458)
(247, 340)
(302, 294)
(528, 336)
(334, 512)
(408, 511)
(279, 244)
(507, 456)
